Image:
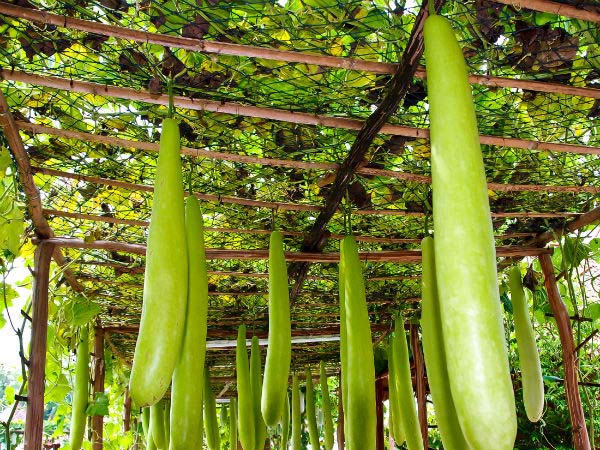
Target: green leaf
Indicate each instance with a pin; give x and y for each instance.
(99, 406)
(5, 161)
(57, 391)
(9, 395)
(593, 311)
(80, 311)
(574, 251)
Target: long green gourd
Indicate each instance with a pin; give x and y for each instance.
(360, 408)
(326, 408)
(167, 423)
(395, 424)
(343, 345)
(146, 421)
(435, 355)
(285, 423)
(187, 387)
(246, 423)
(80, 389)
(404, 389)
(296, 419)
(233, 434)
(311, 416)
(157, 425)
(472, 324)
(260, 430)
(166, 278)
(529, 358)
(150, 445)
(279, 347)
(211, 427)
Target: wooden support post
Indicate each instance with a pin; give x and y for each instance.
(581, 440)
(419, 381)
(99, 366)
(34, 419)
(340, 427)
(379, 396)
(126, 411)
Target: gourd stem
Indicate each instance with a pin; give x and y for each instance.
(171, 110)
(431, 5)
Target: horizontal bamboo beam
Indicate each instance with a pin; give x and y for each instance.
(288, 56)
(276, 205)
(238, 109)
(552, 7)
(223, 156)
(213, 333)
(144, 223)
(406, 256)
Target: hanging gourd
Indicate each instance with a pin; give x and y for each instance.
(472, 326)
(165, 280)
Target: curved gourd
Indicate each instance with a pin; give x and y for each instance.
(157, 425)
(187, 387)
(311, 416)
(529, 358)
(395, 425)
(296, 419)
(246, 423)
(435, 355)
(279, 348)
(472, 324)
(166, 278)
(211, 427)
(404, 389)
(80, 389)
(285, 423)
(260, 430)
(360, 408)
(326, 408)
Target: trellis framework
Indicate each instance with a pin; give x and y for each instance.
(286, 109)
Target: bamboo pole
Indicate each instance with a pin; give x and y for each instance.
(406, 256)
(419, 381)
(237, 109)
(99, 367)
(290, 56)
(581, 440)
(34, 421)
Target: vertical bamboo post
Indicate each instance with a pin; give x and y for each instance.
(340, 427)
(581, 440)
(34, 419)
(419, 381)
(126, 411)
(379, 396)
(98, 421)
